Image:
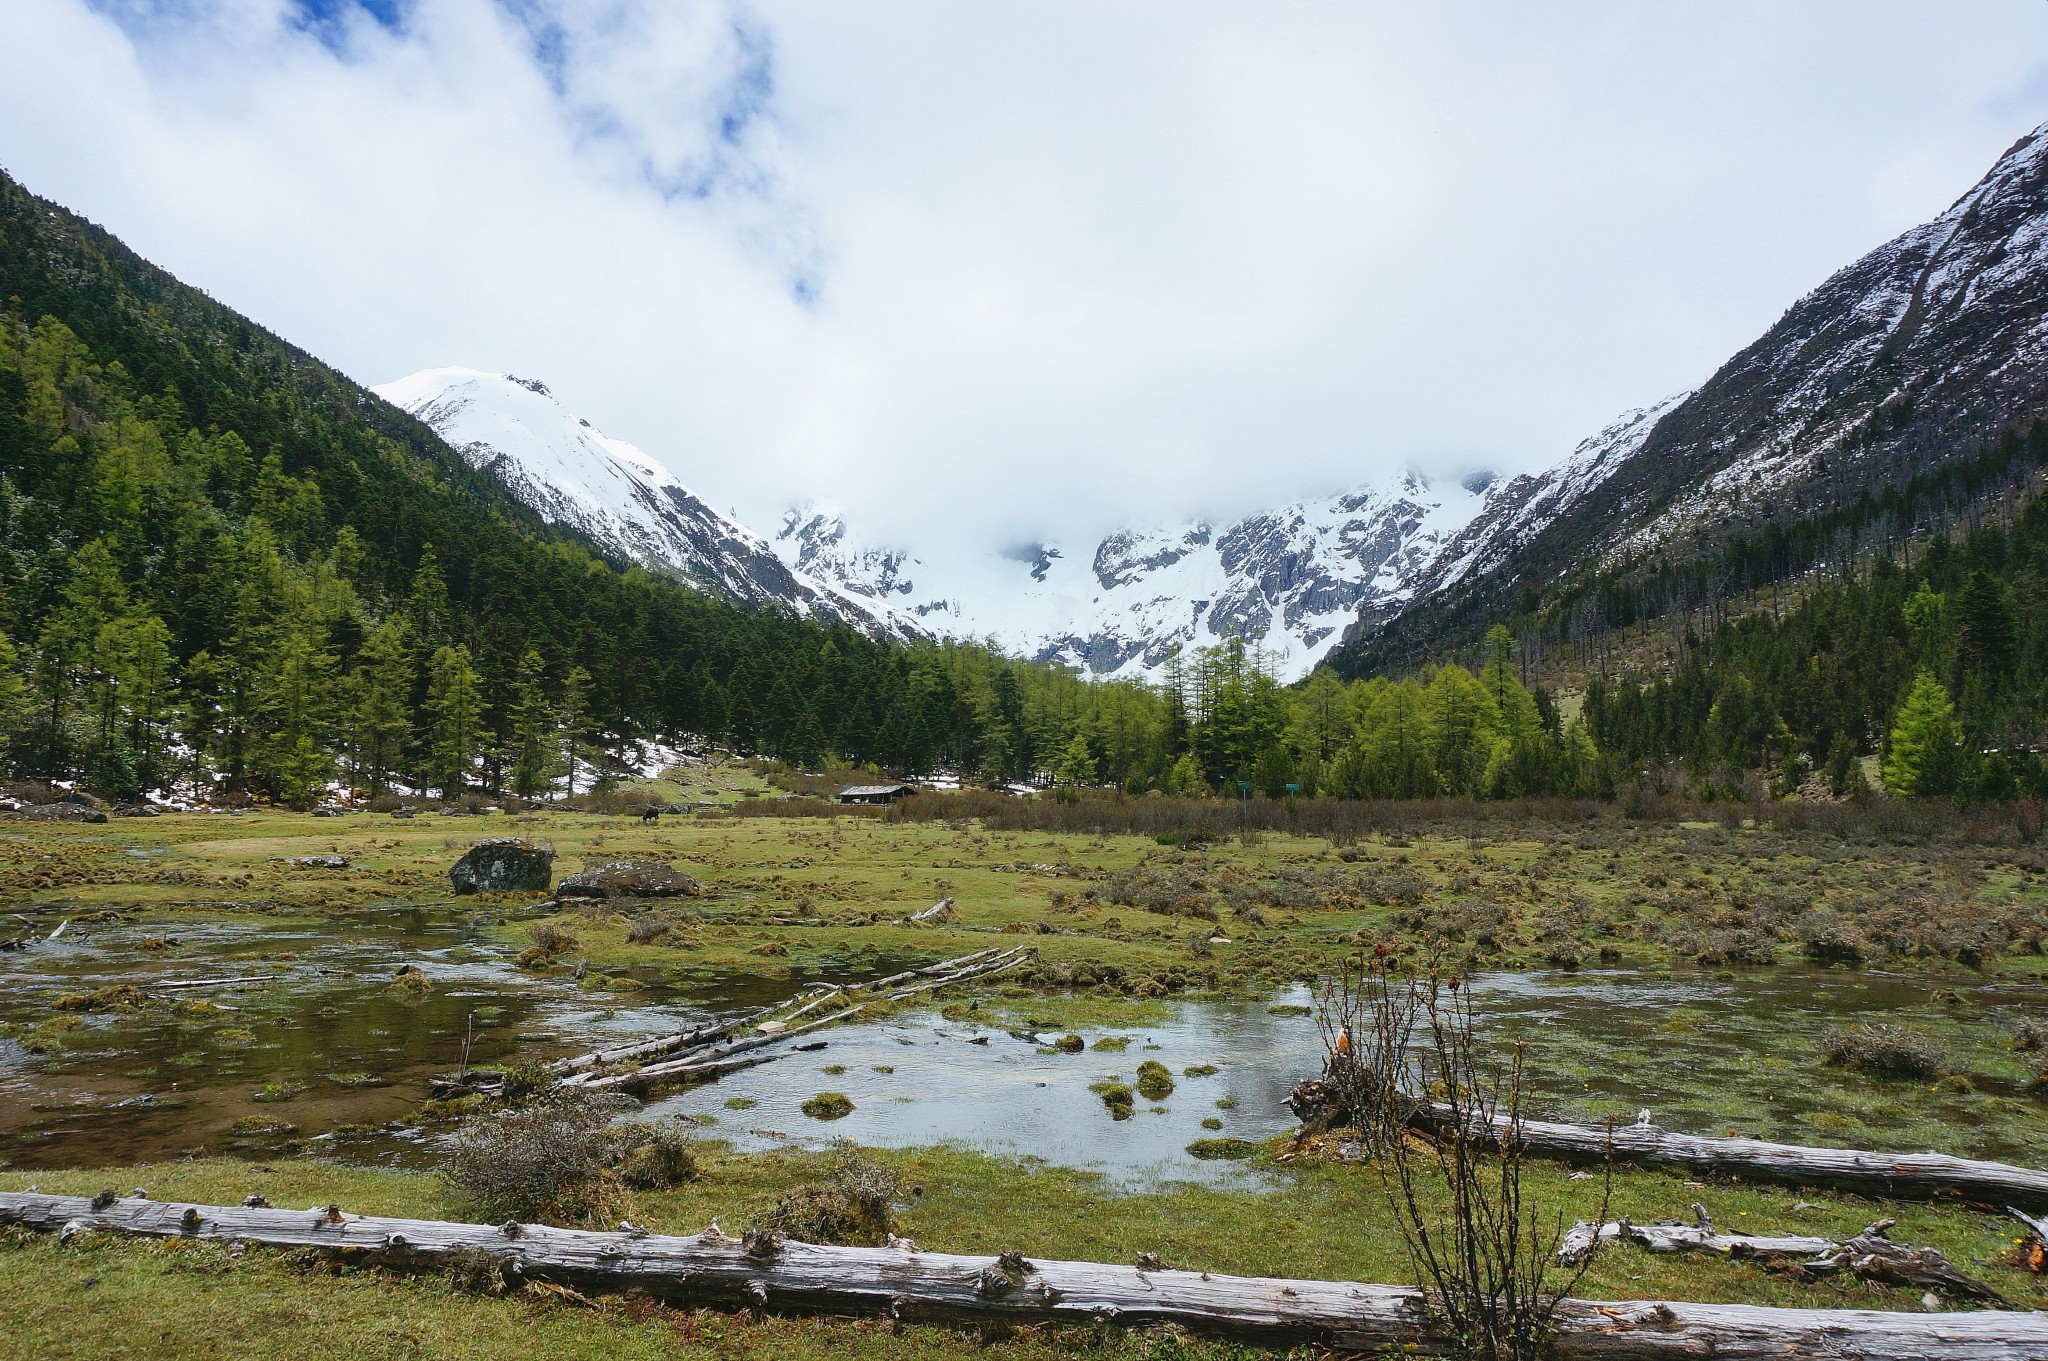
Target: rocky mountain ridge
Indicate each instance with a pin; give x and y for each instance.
(1922, 353)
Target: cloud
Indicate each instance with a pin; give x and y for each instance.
(986, 275)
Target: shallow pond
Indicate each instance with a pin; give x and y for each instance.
(327, 1052)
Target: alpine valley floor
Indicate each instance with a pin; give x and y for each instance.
(1693, 968)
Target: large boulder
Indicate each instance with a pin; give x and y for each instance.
(630, 879)
(504, 865)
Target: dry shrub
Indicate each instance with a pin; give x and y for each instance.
(851, 1205)
(562, 1160)
(654, 1155)
(552, 939)
(647, 929)
(1887, 1051)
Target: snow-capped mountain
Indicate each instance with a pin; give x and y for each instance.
(1288, 581)
(815, 541)
(618, 497)
(1926, 351)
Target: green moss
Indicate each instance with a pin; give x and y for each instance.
(828, 1106)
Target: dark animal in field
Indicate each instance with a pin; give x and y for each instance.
(652, 815)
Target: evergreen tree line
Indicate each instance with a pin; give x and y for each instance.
(1939, 670)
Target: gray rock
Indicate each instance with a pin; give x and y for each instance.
(62, 811)
(318, 862)
(504, 865)
(630, 879)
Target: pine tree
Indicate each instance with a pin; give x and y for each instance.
(575, 720)
(534, 750)
(454, 719)
(380, 706)
(1925, 756)
(294, 707)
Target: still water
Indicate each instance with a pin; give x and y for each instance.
(326, 1056)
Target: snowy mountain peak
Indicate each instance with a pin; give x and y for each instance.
(614, 494)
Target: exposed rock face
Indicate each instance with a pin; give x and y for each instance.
(630, 879)
(504, 865)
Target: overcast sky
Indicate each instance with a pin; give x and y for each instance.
(982, 273)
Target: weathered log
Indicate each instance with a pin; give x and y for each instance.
(1906, 1176)
(1874, 1257)
(1578, 1243)
(701, 1062)
(1869, 1255)
(809, 999)
(762, 1271)
(179, 984)
(1916, 1176)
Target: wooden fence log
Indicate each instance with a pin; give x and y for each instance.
(713, 1268)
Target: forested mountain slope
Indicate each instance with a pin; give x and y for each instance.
(220, 557)
(1920, 356)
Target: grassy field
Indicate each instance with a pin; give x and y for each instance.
(1316, 1220)
(1124, 927)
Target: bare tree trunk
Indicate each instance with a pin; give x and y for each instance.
(761, 1271)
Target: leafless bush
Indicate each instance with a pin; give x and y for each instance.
(562, 1159)
(553, 939)
(850, 1205)
(546, 1161)
(1485, 1255)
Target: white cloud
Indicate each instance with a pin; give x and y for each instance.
(989, 273)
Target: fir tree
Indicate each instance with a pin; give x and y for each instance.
(454, 719)
(534, 750)
(1925, 755)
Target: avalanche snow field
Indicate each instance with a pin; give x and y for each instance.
(1694, 968)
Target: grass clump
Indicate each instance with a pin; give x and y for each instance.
(1155, 1080)
(1886, 1051)
(828, 1106)
(409, 984)
(1118, 1097)
(1211, 1149)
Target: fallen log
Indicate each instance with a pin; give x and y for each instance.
(1905, 1176)
(696, 1064)
(700, 1064)
(1671, 1236)
(1869, 1255)
(762, 1271)
(179, 984)
(692, 1039)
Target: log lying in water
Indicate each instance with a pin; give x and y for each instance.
(1909, 1176)
(702, 1058)
(761, 1271)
